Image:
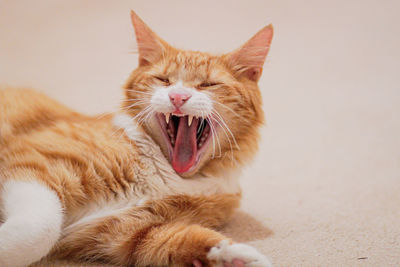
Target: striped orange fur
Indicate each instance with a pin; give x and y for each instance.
(122, 201)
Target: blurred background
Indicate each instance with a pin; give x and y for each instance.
(325, 187)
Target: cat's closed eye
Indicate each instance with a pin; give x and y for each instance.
(162, 79)
(209, 84)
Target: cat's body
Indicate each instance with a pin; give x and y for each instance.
(104, 188)
(100, 159)
(98, 166)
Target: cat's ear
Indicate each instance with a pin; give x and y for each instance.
(151, 47)
(249, 59)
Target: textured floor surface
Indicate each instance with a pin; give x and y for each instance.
(325, 188)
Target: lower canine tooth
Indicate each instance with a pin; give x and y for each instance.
(190, 120)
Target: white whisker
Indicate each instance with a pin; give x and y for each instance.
(214, 132)
(201, 127)
(141, 113)
(227, 128)
(228, 108)
(138, 103)
(114, 132)
(140, 92)
(104, 115)
(228, 137)
(205, 118)
(147, 112)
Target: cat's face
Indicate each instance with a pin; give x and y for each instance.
(204, 111)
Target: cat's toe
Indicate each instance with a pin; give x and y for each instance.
(237, 255)
(235, 263)
(197, 263)
(238, 263)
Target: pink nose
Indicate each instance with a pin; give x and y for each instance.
(178, 99)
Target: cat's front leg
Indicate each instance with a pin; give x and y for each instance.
(167, 232)
(180, 244)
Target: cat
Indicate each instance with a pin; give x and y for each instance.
(145, 186)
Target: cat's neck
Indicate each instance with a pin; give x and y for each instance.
(197, 184)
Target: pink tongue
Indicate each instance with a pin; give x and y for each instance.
(185, 150)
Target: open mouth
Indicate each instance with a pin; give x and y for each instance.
(186, 138)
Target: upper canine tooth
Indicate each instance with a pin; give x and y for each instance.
(167, 117)
(190, 120)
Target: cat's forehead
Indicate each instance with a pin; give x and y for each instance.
(193, 58)
(192, 65)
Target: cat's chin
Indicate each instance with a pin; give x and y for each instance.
(187, 139)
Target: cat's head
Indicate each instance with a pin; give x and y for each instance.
(203, 110)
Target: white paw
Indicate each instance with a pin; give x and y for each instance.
(226, 254)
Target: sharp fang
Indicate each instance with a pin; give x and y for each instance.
(190, 120)
(167, 117)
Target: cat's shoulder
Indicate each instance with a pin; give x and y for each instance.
(23, 110)
(22, 102)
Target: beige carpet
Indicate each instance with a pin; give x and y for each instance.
(325, 188)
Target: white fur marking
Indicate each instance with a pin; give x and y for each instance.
(126, 122)
(102, 210)
(33, 219)
(225, 252)
(142, 201)
(199, 104)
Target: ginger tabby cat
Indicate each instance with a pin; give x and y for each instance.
(146, 186)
